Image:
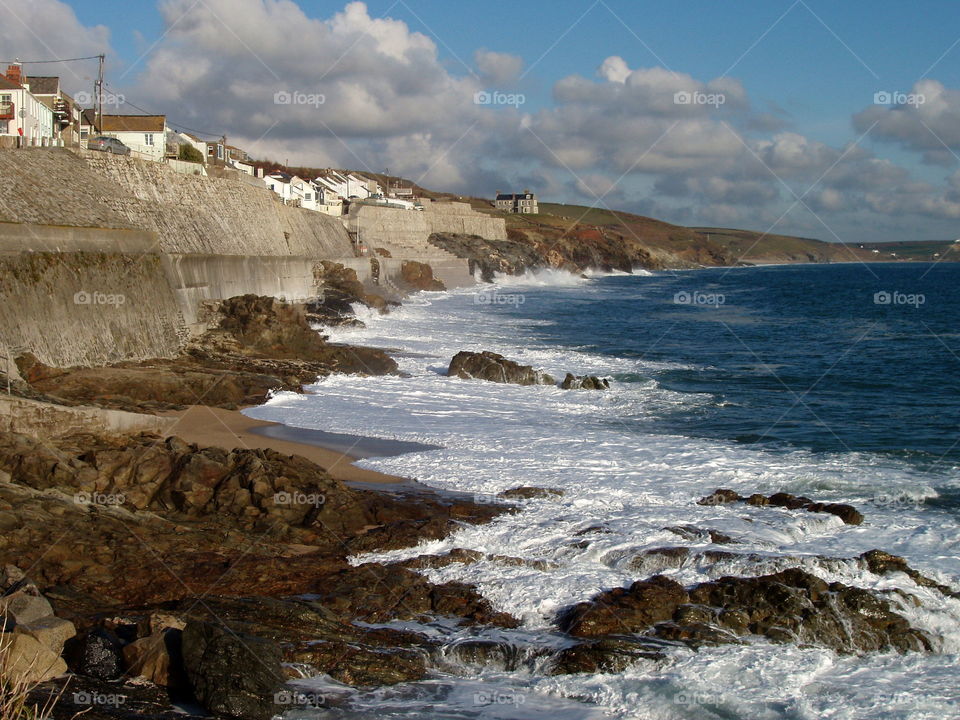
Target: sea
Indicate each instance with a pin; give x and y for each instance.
(839, 382)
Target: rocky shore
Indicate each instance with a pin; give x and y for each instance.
(174, 578)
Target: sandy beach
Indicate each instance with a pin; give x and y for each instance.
(215, 427)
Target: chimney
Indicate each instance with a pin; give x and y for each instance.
(13, 74)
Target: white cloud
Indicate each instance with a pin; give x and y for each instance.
(498, 70)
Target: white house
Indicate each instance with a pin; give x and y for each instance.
(191, 139)
(292, 190)
(22, 114)
(349, 185)
(145, 135)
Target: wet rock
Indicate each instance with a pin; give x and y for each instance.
(849, 514)
(419, 276)
(690, 532)
(495, 368)
(457, 555)
(624, 610)
(527, 492)
(606, 655)
(794, 606)
(232, 675)
(584, 382)
(656, 560)
(720, 497)
(883, 563)
(360, 665)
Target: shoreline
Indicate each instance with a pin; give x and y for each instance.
(208, 426)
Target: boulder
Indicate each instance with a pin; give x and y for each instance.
(495, 368)
(51, 632)
(25, 606)
(624, 610)
(606, 655)
(97, 654)
(584, 382)
(720, 497)
(30, 660)
(232, 675)
(158, 658)
(527, 492)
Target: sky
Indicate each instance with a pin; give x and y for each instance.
(834, 120)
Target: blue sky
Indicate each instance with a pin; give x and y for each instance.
(806, 73)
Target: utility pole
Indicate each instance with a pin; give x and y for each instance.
(98, 98)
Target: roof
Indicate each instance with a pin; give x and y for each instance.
(7, 84)
(191, 136)
(88, 117)
(44, 85)
(514, 196)
(132, 123)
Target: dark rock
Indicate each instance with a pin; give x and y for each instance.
(457, 555)
(527, 492)
(883, 563)
(849, 514)
(624, 610)
(758, 500)
(690, 532)
(791, 502)
(97, 654)
(495, 368)
(360, 665)
(232, 675)
(7, 623)
(606, 655)
(719, 497)
(584, 382)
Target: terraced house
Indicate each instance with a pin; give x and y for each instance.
(24, 119)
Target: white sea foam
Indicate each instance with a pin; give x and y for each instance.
(622, 489)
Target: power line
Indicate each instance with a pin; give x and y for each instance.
(41, 62)
(147, 112)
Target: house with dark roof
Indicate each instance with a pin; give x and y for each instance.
(525, 202)
(24, 119)
(66, 112)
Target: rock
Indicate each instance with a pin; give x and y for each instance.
(527, 492)
(457, 555)
(362, 666)
(495, 368)
(624, 610)
(720, 497)
(791, 502)
(51, 632)
(7, 623)
(584, 382)
(97, 654)
(232, 675)
(849, 514)
(794, 606)
(419, 276)
(25, 607)
(30, 661)
(158, 658)
(883, 563)
(606, 655)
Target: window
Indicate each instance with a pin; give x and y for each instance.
(148, 139)
(307, 196)
(219, 152)
(4, 124)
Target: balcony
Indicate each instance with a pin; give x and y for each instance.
(7, 111)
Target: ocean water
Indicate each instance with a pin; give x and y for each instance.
(840, 382)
